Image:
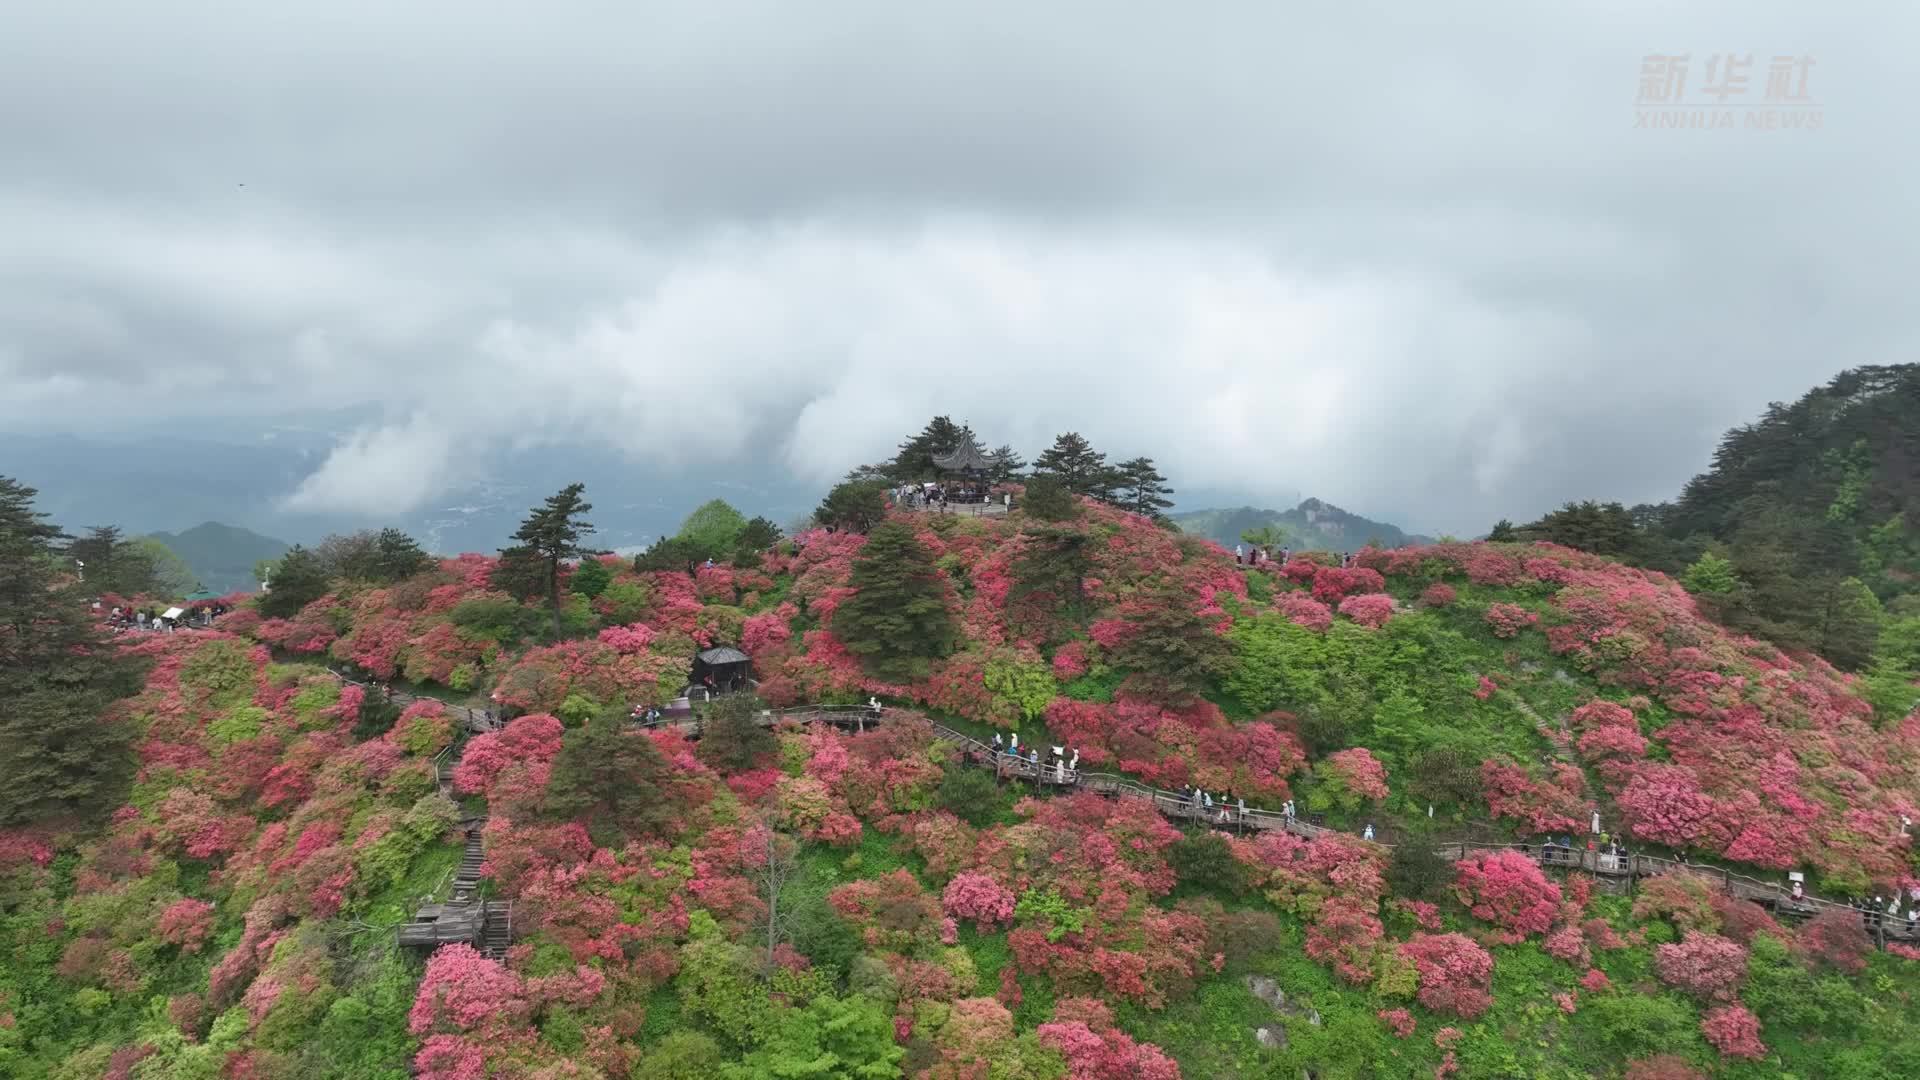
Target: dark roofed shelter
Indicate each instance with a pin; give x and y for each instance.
(969, 459)
(964, 469)
(721, 669)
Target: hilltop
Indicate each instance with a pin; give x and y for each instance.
(222, 557)
(237, 912)
(1312, 526)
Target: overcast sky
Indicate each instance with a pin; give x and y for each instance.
(1411, 258)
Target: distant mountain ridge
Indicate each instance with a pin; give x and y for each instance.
(1314, 525)
(222, 556)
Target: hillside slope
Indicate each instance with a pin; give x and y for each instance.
(1312, 526)
(237, 915)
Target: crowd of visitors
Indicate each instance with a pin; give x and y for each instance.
(150, 619)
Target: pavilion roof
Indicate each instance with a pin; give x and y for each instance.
(966, 457)
(724, 654)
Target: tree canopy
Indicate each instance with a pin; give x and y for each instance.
(297, 579)
(611, 778)
(1081, 468)
(853, 506)
(897, 619)
(549, 536)
(63, 756)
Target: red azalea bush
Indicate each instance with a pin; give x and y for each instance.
(1554, 805)
(1734, 1031)
(1357, 772)
(1347, 936)
(1398, 1021)
(1507, 620)
(1082, 1031)
(1707, 966)
(1456, 974)
(1333, 583)
(1371, 610)
(1070, 661)
(1507, 889)
(1438, 595)
(976, 896)
(1304, 610)
(1836, 939)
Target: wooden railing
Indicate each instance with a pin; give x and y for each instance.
(1172, 804)
(1180, 807)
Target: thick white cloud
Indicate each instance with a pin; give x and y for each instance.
(1416, 261)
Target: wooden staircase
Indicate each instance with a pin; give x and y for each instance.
(466, 877)
(498, 933)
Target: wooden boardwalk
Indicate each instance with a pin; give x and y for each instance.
(1177, 807)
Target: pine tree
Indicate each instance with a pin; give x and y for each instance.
(129, 566)
(1007, 465)
(854, 506)
(914, 461)
(298, 579)
(1503, 531)
(1049, 577)
(398, 557)
(613, 779)
(756, 536)
(62, 759)
(1141, 487)
(1081, 468)
(732, 738)
(548, 537)
(1048, 499)
(897, 619)
(1173, 652)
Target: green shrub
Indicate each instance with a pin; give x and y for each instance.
(968, 794)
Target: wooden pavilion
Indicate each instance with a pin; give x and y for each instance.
(964, 469)
(722, 669)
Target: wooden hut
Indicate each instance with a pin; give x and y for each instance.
(721, 669)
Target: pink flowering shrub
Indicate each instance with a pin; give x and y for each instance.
(1595, 981)
(976, 896)
(627, 640)
(1346, 935)
(1734, 1031)
(1507, 889)
(1438, 595)
(1082, 1031)
(1371, 610)
(1070, 661)
(1398, 1021)
(1507, 620)
(1705, 965)
(463, 991)
(186, 923)
(1304, 610)
(1356, 773)
(1332, 583)
(1553, 805)
(1836, 939)
(1456, 975)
